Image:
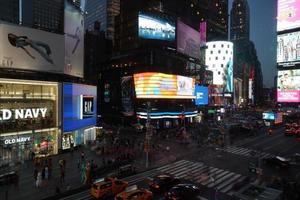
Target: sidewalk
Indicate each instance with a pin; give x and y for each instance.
(28, 191)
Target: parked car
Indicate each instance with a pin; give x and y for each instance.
(162, 183)
(183, 192)
(277, 161)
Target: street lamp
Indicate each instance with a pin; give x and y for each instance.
(148, 134)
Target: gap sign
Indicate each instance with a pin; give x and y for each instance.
(201, 93)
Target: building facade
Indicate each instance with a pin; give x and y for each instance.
(103, 11)
(239, 20)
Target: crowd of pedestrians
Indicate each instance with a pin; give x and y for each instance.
(42, 172)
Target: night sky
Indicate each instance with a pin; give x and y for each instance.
(263, 34)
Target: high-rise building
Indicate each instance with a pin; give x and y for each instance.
(103, 11)
(46, 15)
(239, 20)
(9, 11)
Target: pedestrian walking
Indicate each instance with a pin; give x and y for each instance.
(78, 163)
(46, 172)
(43, 173)
(62, 176)
(82, 156)
(64, 163)
(35, 174)
(38, 180)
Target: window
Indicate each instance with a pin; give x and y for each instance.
(219, 73)
(216, 57)
(222, 65)
(219, 51)
(211, 52)
(214, 46)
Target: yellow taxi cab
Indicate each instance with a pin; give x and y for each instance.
(134, 193)
(107, 187)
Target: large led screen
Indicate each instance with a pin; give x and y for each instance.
(159, 85)
(155, 27)
(188, 40)
(79, 106)
(288, 86)
(269, 116)
(288, 48)
(288, 14)
(201, 94)
(219, 59)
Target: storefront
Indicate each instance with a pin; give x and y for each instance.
(28, 119)
(79, 114)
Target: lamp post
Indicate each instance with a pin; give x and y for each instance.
(148, 133)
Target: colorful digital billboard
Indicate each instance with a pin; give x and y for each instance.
(188, 40)
(288, 14)
(288, 48)
(159, 85)
(156, 27)
(219, 59)
(79, 106)
(288, 86)
(201, 93)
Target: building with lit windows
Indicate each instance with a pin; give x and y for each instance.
(103, 11)
(239, 20)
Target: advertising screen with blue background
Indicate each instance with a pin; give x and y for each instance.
(269, 116)
(156, 27)
(201, 94)
(77, 98)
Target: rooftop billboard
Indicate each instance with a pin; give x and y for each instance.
(188, 40)
(167, 86)
(156, 27)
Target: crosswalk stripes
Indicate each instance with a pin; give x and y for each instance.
(204, 175)
(246, 152)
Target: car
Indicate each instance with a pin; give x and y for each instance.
(289, 132)
(134, 193)
(183, 192)
(277, 161)
(163, 182)
(107, 187)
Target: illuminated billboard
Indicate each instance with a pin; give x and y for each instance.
(202, 30)
(156, 27)
(74, 40)
(268, 116)
(79, 106)
(288, 86)
(159, 85)
(201, 94)
(31, 49)
(188, 40)
(288, 14)
(219, 59)
(288, 48)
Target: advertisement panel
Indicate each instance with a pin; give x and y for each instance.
(188, 40)
(127, 93)
(202, 34)
(288, 48)
(156, 27)
(30, 49)
(268, 116)
(288, 14)
(201, 93)
(79, 106)
(288, 86)
(74, 41)
(219, 59)
(159, 85)
(28, 105)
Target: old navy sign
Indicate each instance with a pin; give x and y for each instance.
(28, 113)
(16, 140)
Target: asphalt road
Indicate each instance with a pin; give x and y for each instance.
(226, 166)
